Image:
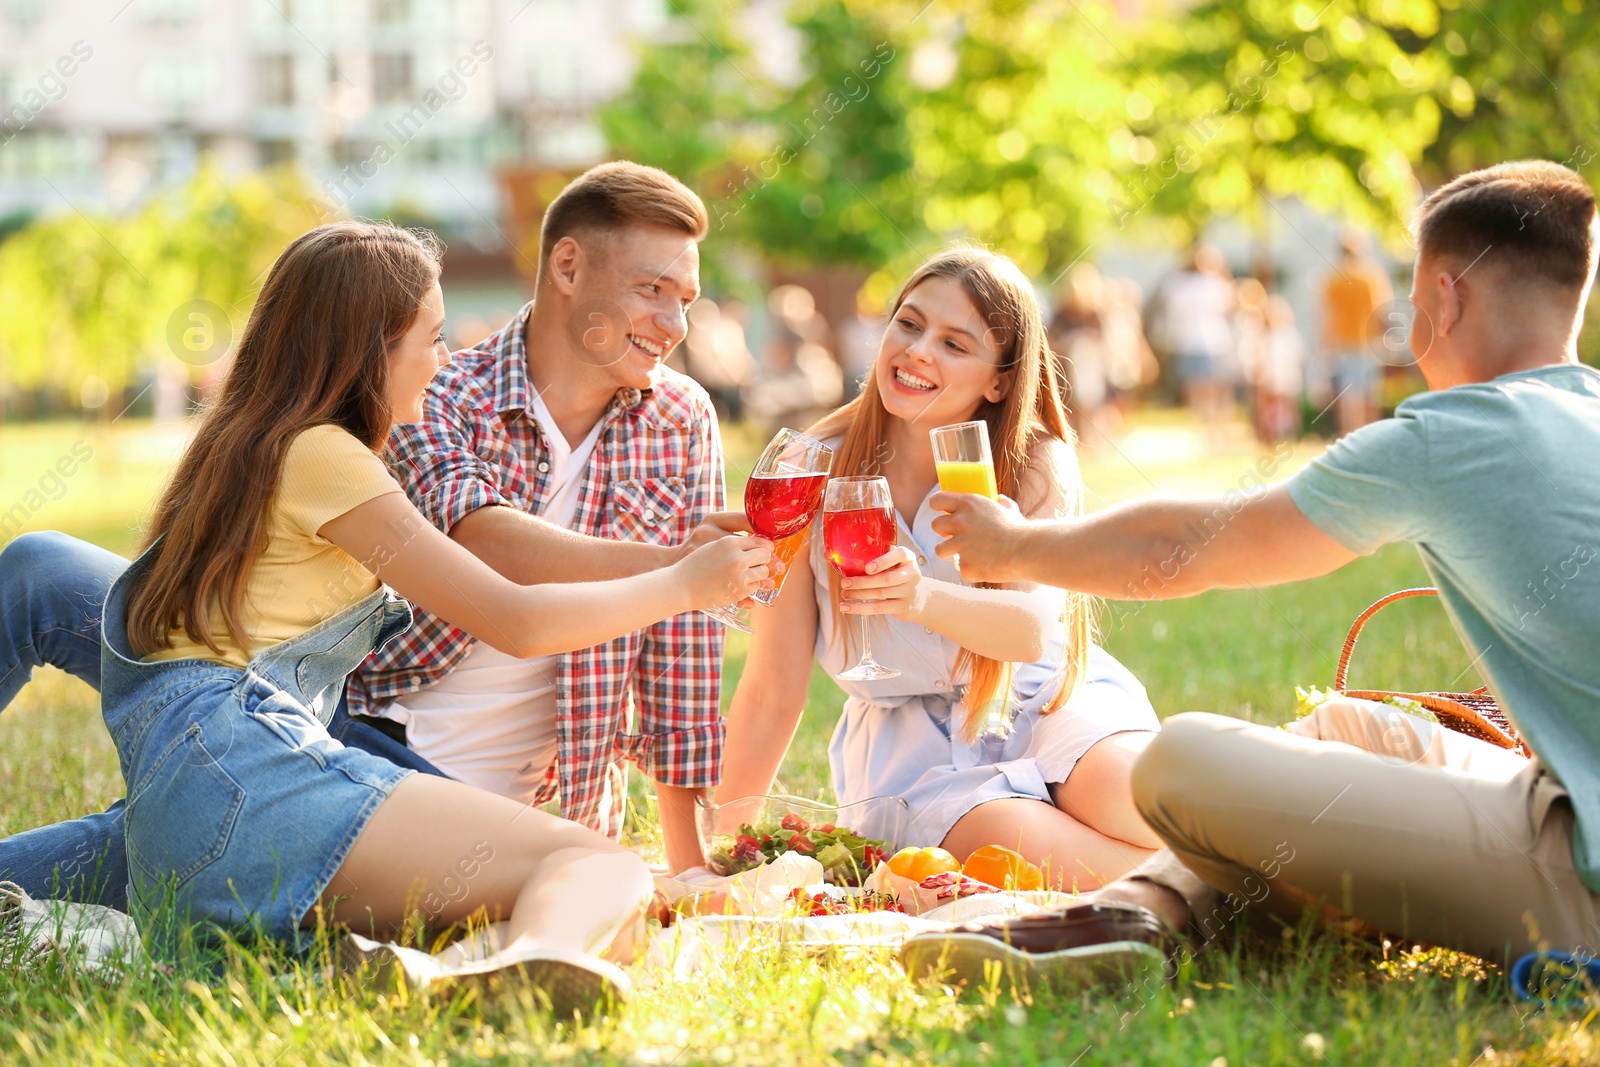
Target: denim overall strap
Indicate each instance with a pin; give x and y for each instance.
(314, 665)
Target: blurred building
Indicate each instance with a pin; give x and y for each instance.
(389, 105)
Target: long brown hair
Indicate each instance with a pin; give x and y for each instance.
(1021, 425)
(314, 351)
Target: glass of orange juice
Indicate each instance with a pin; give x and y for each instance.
(961, 456)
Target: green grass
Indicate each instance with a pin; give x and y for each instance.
(1280, 999)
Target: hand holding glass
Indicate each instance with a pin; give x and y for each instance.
(780, 500)
(858, 527)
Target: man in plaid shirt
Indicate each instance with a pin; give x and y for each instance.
(565, 414)
(504, 436)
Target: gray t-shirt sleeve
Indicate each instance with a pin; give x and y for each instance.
(1370, 489)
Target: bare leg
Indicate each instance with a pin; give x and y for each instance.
(449, 850)
(1078, 857)
(1099, 793)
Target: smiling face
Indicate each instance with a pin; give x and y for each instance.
(416, 357)
(938, 361)
(631, 292)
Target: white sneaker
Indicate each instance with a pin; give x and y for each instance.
(11, 901)
(571, 982)
(479, 944)
(386, 965)
(91, 935)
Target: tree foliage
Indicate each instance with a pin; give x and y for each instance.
(1058, 124)
(92, 295)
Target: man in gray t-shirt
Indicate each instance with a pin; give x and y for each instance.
(1402, 827)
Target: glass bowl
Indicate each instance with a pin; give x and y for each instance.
(878, 818)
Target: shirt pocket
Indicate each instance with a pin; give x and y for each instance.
(648, 509)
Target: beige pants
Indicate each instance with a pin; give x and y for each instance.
(1383, 821)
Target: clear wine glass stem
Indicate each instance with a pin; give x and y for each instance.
(866, 641)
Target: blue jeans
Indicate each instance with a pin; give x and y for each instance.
(52, 590)
(241, 806)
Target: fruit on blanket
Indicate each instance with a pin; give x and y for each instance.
(919, 863)
(1003, 868)
(826, 903)
(952, 884)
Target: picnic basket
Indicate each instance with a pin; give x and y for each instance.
(1476, 714)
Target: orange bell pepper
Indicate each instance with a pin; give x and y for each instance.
(919, 863)
(1003, 868)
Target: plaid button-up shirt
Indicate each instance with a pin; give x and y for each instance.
(656, 472)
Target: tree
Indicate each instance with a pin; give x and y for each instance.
(1235, 103)
(1524, 81)
(876, 155)
(95, 296)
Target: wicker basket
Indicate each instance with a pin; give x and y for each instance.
(1476, 714)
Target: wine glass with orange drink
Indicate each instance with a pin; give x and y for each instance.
(782, 497)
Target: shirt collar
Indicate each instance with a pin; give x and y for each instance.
(512, 390)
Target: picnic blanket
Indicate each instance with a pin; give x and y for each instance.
(757, 912)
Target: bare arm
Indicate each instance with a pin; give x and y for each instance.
(529, 550)
(680, 833)
(447, 580)
(771, 695)
(1154, 549)
(1005, 624)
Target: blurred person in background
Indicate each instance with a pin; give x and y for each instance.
(800, 377)
(1077, 340)
(716, 356)
(1351, 296)
(1131, 367)
(1193, 308)
(858, 341)
(1249, 341)
(1280, 376)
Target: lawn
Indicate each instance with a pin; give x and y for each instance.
(1303, 997)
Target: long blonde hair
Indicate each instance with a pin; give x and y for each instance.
(1025, 419)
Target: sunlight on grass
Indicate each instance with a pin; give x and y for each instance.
(1290, 997)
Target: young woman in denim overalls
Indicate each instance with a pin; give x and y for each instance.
(1006, 725)
(227, 642)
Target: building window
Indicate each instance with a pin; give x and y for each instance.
(170, 12)
(388, 12)
(23, 13)
(177, 83)
(391, 77)
(349, 152)
(273, 152)
(275, 80)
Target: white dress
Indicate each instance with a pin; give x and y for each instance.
(900, 736)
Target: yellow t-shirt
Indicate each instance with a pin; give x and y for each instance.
(301, 579)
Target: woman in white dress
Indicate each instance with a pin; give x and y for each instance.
(1006, 725)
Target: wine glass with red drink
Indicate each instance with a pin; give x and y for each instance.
(782, 497)
(858, 527)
